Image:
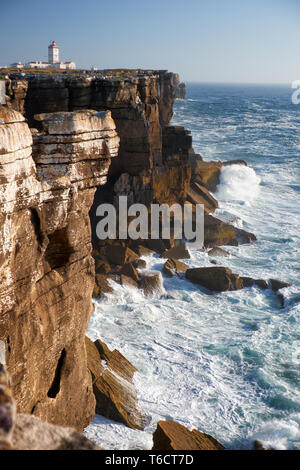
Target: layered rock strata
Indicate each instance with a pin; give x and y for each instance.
(112, 376)
(47, 186)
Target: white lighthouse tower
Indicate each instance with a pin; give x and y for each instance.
(53, 53)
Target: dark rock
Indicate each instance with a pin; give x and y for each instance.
(120, 255)
(140, 264)
(218, 252)
(177, 252)
(156, 245)
(277, 285)
(215, 278)
(173, 266)
(243, 236)
(130, 271)
(128, 281)
(170, 435)
(101, 285)
(144, 251)
(281, 300)
(248, 281)
(151, 284)
(261, 283)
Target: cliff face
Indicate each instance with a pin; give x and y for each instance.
(141, 105)
(47, 187)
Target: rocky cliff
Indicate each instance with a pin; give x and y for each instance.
(52, 180)
(47, 187)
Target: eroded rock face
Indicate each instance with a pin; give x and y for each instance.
(112, 376)
(170, 435)
(47, 271)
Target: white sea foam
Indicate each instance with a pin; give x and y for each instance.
(228, 363)
(238, 183)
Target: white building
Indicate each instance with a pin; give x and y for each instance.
(34, 64)
(53, 61)
(53, 53)
(16, 65)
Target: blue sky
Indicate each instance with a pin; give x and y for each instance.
(241, 41)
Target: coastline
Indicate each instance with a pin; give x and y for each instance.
(160, 172)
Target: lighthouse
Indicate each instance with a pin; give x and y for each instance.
(53, 53)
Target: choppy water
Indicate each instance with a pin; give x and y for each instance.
(228, 363)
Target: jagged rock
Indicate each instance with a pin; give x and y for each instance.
(207, 174)
(197, 194)
(120, 255)
(130, 271)
(112, 383)
(101, 267)
(177, 252)
(249, 282)
(101, 285)
(217, 278)
(179, 87)
(218, 233)
(173, 266)
(128, 281)
(140, 264)
(218, 252)
(261, 283)
(47, 271)
(277, 285)
(30, 433)
(151, 283)
(156, 245)
(243, 236)
(280, 297)
(144, 251)
(258, 445)
(170, 435)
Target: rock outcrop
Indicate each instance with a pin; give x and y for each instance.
(47, 186)
(112, 376)
(179, 87)
(216, 278)
(170, 435)
(31, 433)
(173, 266)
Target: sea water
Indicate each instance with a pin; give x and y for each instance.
(227, 363)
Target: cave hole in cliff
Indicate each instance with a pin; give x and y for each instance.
(55, 386)
(35, 220)
(59, 249)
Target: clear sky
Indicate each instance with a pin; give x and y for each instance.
(202, 40)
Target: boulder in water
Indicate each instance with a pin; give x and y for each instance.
(170, 435)
(277, 285)
(174, 266)
(151, 283)
(177, 252)
(112, 384)
(215, 278)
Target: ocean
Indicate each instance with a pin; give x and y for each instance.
(227, 364)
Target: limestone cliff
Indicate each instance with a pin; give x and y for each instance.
(47, 187)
